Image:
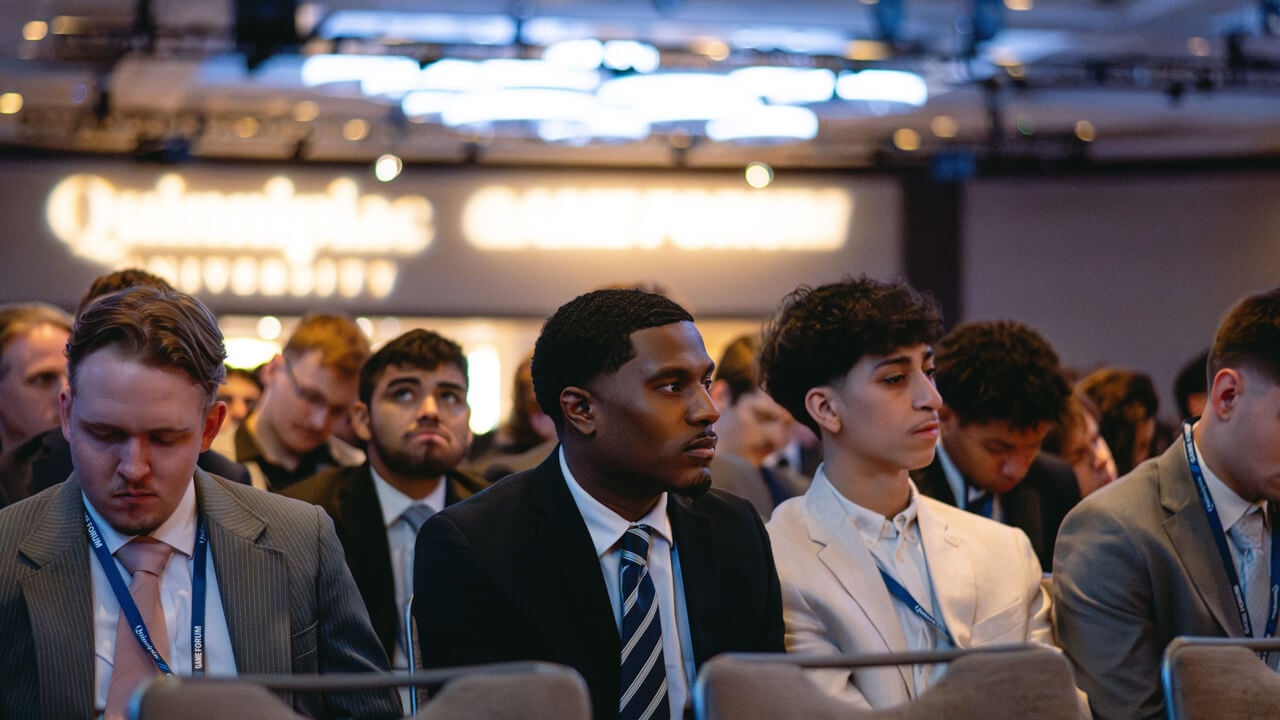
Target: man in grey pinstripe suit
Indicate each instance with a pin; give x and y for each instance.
(144, 366)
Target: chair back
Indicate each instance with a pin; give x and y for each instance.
(1220, 679)
(994, 683)
(503, 691)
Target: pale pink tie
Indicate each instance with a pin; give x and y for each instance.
(145, 558)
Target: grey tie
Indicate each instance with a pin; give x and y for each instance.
(1248, 536)
(416, 515)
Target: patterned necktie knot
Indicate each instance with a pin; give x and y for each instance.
(416, 515)
(635, 545)
(144, 554)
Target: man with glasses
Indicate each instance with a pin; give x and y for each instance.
(307, 388)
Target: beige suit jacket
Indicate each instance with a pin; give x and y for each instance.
(985, 576)
(290, 602)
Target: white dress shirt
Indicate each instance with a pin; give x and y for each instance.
(607, 528)
(963, 491)
(402, 540)
(179, 531)
(896, 546)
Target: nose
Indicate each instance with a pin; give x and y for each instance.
(703, 411)
(320, 418)
(928, 397)
(135, 460)
(430, 407)
(1016, 466)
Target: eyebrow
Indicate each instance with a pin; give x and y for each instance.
(903, 359)
(680, 371)
(409, 380)
(95, 426)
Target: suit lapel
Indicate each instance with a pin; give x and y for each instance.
(369, 553)
(950, 571)
(59, 600)
(567, 592)
(848, 559)
(1189, 532)
(253, 579)
(699, 575)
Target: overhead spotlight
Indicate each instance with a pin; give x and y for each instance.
(387, 167)
(758, 175)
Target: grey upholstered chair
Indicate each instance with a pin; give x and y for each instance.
(994, 683)
(505, 691)
(1220, 679)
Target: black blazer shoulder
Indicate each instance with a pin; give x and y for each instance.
(512, 574)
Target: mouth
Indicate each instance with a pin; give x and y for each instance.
(703, 446)
(927, 429)
(426, 436)
(133, 497)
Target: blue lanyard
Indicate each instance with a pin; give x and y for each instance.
(130, 608)
(1220, 539)
(904, 596)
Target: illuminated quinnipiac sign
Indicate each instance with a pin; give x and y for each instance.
(270, 241)
(499, 217)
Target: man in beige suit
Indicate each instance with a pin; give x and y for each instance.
(867, 564)
(83, 621)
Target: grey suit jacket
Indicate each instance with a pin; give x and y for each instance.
(1136, 566)
(290, 602)
(735, 474)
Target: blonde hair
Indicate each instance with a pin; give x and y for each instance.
(342, 344)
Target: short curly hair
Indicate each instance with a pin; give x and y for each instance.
(590, 336)
(819, 334)
(1000, 371)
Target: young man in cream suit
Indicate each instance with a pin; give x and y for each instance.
(853, 360)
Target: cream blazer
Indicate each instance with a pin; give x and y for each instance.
(985, 575)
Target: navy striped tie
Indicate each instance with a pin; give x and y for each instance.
(644, 674)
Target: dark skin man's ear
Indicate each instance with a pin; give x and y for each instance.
(575, 405)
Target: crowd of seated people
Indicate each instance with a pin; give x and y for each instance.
(630, 520)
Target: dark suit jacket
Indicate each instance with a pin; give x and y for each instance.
(290, 603)
(45, 460)
(1136, 566)
(348, 495)
(512, 574)
(1036, 505)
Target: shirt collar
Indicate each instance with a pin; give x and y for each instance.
(1231, 507)
(393, 502)
(871, 525)
(606, 526)
(178, 531)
